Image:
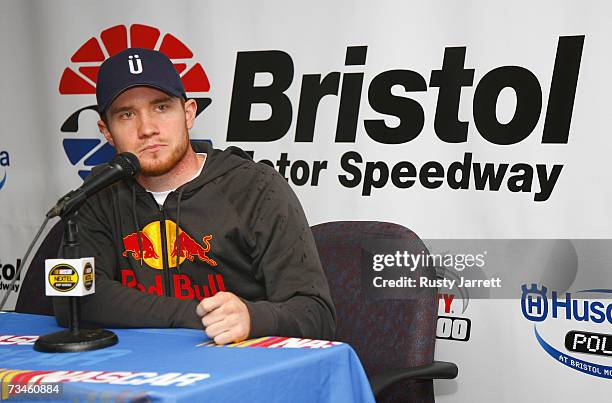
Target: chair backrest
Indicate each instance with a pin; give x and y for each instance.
(32, 298)
(385, 333)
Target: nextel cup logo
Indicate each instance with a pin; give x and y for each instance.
(86, 149)
(63, 277)
(537, 307)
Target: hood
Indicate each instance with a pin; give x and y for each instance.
(218, 163)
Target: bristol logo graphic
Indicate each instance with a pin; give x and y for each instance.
(135, 69)
(84, 147)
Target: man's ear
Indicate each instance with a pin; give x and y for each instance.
(190, 112)
(105, 132)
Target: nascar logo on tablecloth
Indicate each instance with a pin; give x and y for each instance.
(21, 377)
(16, 340)
(277, 342)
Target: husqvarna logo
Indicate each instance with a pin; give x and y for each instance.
(534, 303)
(537, 307)
(135, 69)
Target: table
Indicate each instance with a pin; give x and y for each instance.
(183, 365)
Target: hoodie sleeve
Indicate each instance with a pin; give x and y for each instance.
(298, 302)
(113, 305)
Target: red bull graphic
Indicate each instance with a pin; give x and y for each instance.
(182, 286)
(130, 243)
(190, 248)
(149, 250)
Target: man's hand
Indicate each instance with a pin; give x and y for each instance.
(225, 318)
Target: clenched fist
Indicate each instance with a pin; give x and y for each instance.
(225, 318)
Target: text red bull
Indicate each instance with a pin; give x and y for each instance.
(183, 286)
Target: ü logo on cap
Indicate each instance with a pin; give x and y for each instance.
(138, 68)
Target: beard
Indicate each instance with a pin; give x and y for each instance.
(162, 165)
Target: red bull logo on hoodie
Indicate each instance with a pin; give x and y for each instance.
(149, 249)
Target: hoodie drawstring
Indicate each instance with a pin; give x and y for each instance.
(136, 224)
(178, 223)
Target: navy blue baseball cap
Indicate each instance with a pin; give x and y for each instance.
(134, 67)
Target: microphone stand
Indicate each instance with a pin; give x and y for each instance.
(74, 339)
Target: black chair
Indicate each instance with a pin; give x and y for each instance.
(32, 298)
(393, 338)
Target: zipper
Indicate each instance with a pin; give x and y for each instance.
(166, 269)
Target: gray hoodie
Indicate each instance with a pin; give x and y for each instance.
(238, 227)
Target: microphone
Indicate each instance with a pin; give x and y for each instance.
(122, 166)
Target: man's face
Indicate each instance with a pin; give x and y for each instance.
(152, 125)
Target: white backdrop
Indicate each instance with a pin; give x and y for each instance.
(502, 360)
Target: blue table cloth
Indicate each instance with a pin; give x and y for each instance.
(182, 365)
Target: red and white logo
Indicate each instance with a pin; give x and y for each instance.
(80, 78)
(87, 149)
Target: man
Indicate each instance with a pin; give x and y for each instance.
(202, 238)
